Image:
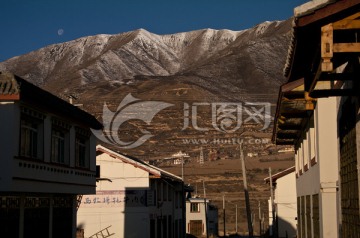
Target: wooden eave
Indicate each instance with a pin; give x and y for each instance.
(293, 107)
(305, 49)
(330, 78)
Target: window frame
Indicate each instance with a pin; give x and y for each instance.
(194, 207)
(58, 150)
(83, 135)
(32, 125)
(58, 127)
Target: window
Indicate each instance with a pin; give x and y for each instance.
(165, 191)
(159, 190)
(181, 201)
(301, 158)
(176, 200)
(80, 152)
(58, 146)
(31, 137)
(306, 150)
(60, 142)
(194, 207)
(170, 193)
(97, 171)
(82, 147)
(313, 142)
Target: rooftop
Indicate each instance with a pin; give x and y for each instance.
(14, 88)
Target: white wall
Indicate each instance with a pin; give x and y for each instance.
(322, 177)
(328, 154)
(285, 199)
(22, 175)
(95, 217)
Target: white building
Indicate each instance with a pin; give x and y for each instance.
(199, 219)
(133, 199)
(318, 112)
(47, 159)
(284, 187)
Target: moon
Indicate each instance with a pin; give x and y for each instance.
(60, 32)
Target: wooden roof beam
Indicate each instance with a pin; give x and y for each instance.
(289, 126)
(284, 135)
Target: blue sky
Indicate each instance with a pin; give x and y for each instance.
(27, 25)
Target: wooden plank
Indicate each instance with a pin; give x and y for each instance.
(327, 47)
(9, 97)
(346, 24)
(284, 142)
(295, 114)
(346, 47)
(289, 136)
(289, 127)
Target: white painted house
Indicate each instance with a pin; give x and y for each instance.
(284, 187)
(200, 219)
(318, 112)
(133, 199)
(47, 157)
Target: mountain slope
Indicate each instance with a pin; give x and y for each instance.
(123, 56)
(198, 66)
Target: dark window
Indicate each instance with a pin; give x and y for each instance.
(31, 137)
(97, 171)
(165, 191)
(81, 152)
(58, 146)
(194, 207)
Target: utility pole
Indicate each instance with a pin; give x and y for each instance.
(272, 205)
(236, 223)
(260, 230)
(224, 214)
(247, 202)
(182, 168)
(263, 222)
(206, 218)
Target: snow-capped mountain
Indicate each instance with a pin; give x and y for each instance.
(199, 66)
(118, 58)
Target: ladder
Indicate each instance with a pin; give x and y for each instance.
(78, 201)
(103, 233)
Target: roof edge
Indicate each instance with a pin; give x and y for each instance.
(280, 174)
(128, 160)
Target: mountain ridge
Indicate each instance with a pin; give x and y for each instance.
(136, 52)
(206, 66)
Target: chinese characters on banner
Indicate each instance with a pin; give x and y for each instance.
(116, 198)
